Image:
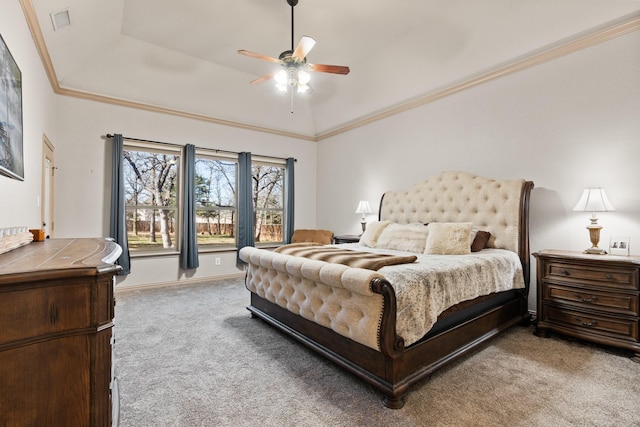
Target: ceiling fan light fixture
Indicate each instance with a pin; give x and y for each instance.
(281, 80)
(281, 77)
(292, 76)
(303, 77)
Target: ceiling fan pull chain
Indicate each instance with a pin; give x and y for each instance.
(291, 90)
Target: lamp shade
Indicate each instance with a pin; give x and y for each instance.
(363, 207)
(594, 200)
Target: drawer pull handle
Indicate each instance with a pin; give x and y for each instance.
(587, 324)
(609, 276)
(591, 299)
(53, 313)
(565, 272)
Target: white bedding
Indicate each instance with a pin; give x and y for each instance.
(433, 283)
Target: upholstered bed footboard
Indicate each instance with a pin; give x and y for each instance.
(335, 296)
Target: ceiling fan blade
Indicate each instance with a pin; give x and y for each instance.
(334, 69)
(259, 56)
(262, 79)
(304, 47)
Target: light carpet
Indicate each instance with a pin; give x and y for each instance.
(190, 355)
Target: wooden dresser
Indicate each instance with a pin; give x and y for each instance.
(591, 297)
(56, 315)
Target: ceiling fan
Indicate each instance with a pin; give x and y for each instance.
(294, 64)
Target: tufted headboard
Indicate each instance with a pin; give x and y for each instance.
(500, 207)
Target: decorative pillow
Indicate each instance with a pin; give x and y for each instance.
(480, 241)
(403, 237)
(372, 233)
(449, 238)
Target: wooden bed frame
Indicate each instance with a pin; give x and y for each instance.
(394, 368)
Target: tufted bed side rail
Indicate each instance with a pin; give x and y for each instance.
(332, 295)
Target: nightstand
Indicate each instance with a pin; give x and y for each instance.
(590, 297)
(346, 238)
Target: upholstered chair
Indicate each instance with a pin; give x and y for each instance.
(324, 237)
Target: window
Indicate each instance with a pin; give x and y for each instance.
(216, 201)
(154, 199)
(268, 201)
(151, 198)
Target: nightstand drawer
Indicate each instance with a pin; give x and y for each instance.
(346, 238)
(615, 278)
(611, 326)
(612, 302)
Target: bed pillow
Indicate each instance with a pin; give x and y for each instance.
(403, 237)
(372, 233)
(449, 238)
(480, 240)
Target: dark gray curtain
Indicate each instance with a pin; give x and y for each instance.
(118, 220)
(189, 247)
(246, 235)
(289, 200)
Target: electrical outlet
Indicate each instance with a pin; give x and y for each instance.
(217, 261)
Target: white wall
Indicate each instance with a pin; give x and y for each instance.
(83, 175)
(566, 125)
(19, 199)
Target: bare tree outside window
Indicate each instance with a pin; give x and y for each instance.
(268, 202)
(151, 199)
(216, 201)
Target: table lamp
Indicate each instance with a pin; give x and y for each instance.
(594, 200)
(363, 208)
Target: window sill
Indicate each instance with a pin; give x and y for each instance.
(152, 254)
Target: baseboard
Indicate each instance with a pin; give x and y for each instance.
(199, 280)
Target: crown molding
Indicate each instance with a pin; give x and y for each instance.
(625, 25)
(178, 113)
(36, 33)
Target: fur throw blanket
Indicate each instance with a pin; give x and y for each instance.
(351, 258)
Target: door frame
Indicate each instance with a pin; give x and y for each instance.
(47, 154)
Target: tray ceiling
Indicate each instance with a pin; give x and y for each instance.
(182, 56)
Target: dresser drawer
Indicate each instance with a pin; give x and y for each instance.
(612, 302)
(615, 278)
(611, 326)
(29, 313)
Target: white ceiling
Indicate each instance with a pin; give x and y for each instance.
(182, 55)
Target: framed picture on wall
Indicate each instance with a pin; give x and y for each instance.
(11, 154)
(619, 246)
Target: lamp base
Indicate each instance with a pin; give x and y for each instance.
(594, 236)
(595, 251)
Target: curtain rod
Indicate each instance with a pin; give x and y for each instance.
(109, 135)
